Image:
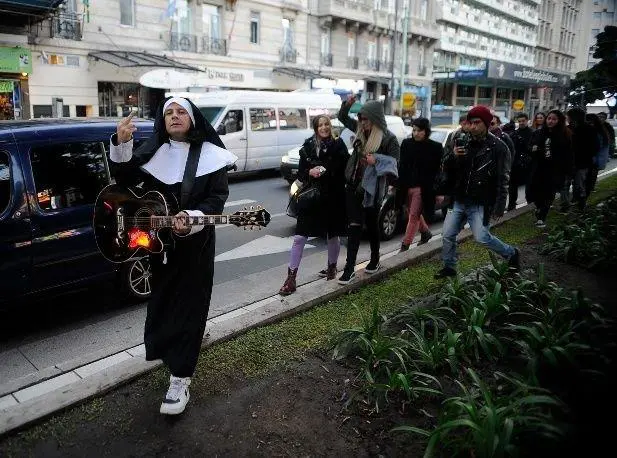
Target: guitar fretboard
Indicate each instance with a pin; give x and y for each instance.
(206, 220)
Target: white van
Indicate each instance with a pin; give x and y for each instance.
(261, 126)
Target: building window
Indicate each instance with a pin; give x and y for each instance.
(463, 90)
(212, 21)
(351, 46)
(288, 34)
(292, 118)
(485, 92)
(518, 94)
(325, 42)
(424, 10)
(68, 175)
(5, 181)
(385, 52)
(127, 12)
(254, 27)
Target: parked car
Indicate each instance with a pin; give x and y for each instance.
(291, 160)
(51, 171)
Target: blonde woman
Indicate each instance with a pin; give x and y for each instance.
(322, 164)
(371, 168)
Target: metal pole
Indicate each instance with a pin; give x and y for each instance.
(391, 92)
(405, 48)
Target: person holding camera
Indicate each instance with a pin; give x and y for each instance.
(477, 175)
(321, 167)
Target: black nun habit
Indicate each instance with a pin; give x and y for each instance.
(182, 277)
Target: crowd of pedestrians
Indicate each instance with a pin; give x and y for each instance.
(479, 172)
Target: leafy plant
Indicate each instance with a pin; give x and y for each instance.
(476, 336)
(483, 424)
(358, 340)
(433, 350)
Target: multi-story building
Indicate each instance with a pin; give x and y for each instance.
(96, 58)
(556, 50)
(486, 55)
(361, 41)
(601, 13)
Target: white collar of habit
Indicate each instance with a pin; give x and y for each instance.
(167, 164)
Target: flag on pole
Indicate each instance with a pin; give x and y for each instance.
(170, 10)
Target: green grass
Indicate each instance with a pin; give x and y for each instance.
(265, 350)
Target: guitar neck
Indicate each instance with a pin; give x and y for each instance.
(206, 220)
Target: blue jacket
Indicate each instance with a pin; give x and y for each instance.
(373, 181)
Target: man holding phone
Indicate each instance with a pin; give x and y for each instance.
(477, 173)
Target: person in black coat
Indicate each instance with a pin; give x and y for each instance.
(552, 162)
(182, 276)
(418, 168)
(585, 144)
(521, 166)
(322, 165)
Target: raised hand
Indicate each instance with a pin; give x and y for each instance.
(126, 128)
(351, 99)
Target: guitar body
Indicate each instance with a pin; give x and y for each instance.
(122, 223)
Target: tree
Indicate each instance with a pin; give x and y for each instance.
(600, 81)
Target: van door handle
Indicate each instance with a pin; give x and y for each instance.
(242, 139)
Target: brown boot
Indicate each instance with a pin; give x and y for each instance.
(331, 272)
(290, 283)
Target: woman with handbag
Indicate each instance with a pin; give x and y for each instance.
(321, 201)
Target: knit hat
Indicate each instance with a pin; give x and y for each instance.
(482, 112)
(373, 110)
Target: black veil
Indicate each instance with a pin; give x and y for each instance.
(201, 132)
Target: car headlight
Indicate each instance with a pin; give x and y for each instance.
(285, 159)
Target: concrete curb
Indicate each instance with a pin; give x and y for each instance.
(26, 404)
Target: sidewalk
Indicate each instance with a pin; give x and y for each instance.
(34, 396)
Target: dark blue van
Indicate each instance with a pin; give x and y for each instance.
(51, 171)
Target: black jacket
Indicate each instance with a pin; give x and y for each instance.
(419, 166)
(585, 144)
(329, 218)
(481, 176)
(522, 139)
(552, 161)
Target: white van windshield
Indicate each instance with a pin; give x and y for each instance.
(211, 113)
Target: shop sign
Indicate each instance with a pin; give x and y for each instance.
(6, 86)
(518, 105)
(409, 101)
(165, 79)
(217, 76)
(15, 60)
(512, 72)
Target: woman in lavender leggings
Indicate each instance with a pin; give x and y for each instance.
(322, 164)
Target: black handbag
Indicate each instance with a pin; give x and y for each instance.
(307, 198)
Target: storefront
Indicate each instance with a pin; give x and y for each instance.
(497, 85)
(15, 68)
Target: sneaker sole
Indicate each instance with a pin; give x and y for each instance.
(171, 409)
(372, 271)
(343, 282)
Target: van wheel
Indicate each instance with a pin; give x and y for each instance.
(136, 278)
(388, 220)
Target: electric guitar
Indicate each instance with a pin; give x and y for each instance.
(128, 225)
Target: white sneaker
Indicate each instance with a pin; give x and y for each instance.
(177, 396)
(540, 223)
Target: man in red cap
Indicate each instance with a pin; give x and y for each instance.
(477, 177)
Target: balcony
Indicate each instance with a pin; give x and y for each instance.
(349, 11)
(373, 64)
(67, 26)
(193, 43)
(288, 55)
(20, 13)
(353, 63)
(326, 60)
(216, 46)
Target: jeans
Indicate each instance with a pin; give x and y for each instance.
(416, 220)
(481, 233)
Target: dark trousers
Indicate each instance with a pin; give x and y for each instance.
(592, 179)
(357, 216)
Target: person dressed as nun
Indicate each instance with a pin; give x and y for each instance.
(182, 275)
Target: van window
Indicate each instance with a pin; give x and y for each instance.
(292, 118)
(211, 113)
(68, 175)
(263, 119)
(234, 121)
(5, 181)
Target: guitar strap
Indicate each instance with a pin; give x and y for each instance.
(190, 169)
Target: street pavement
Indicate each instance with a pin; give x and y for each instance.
(75, 353)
